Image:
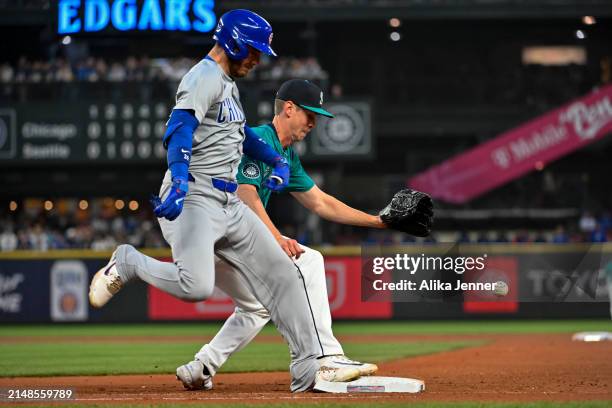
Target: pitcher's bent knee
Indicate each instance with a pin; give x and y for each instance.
(261, 312)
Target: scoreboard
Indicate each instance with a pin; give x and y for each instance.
(126, 132)
(86, 132)
(126, 127)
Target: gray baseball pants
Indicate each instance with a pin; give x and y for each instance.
(216, 222)
(250, 316)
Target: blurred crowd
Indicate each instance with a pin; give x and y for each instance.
(134, 68)
(588, 228)
(47, 230)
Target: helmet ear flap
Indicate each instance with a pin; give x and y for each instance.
(233, 45)
(238, 49)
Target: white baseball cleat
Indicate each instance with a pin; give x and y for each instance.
(105, 284)
(335, 374)
(192, 376)
(340, 361)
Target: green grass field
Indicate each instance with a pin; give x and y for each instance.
(99, 358)
(149, 349)
(19, 357)
(392, 327)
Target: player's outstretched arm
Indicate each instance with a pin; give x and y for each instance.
(332, 209)
(248, 194)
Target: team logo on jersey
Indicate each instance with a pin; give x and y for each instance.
(251, 171)
(229, 111)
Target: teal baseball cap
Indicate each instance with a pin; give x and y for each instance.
(305, 94)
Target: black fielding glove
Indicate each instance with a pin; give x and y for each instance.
(409, 211)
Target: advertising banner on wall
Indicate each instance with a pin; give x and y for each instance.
(499, 269)
(521, 150)
(109, 17)
(400, 282)
(69, 287)
(343, 289)
(56, 290)
(24, 291)
(488, 278)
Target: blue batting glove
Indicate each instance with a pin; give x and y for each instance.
(154, 200)
(173, 204)
(279, 179)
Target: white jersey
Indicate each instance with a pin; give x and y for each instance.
(217, 141)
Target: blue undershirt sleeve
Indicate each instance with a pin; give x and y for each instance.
(178, 140)
(256, 148)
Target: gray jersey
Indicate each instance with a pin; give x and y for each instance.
(217, 142)
(218, 222)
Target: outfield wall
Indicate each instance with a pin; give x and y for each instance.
(52, 287)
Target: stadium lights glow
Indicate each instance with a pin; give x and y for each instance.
(119, 204)
(589, 20)
(48, 205)
(580, 34)
(395, 22)
(66, 40)
(133, 205)
(83, 204)
(13, 206)
(395, 36)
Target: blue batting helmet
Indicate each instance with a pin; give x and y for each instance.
(240, 28)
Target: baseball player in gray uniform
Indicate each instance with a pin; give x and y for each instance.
(297, 103)
(200, 214)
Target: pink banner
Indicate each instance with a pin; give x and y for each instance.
(520, 150)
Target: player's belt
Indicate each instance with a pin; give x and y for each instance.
(223, 185)
(219, 184)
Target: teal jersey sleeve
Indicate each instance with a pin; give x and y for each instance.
(255, 172)
(299, 180)
(250, 172)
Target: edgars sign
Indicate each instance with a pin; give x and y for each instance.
(90, 16)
